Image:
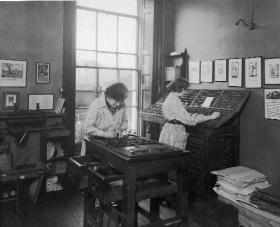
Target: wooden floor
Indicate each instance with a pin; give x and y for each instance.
(60, 210)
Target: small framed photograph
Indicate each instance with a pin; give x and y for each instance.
(10, 99)
(272, 71)
(12, 73)
(272, 104)
(235, 72)
(253, 73)
(220, 70)
(206, 71)
(42, 73)
(40, 101)
(194, 76)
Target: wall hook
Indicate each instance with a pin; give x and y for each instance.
(251, 25)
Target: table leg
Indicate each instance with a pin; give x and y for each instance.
(129, 193)
(182, 197)
(154, 209)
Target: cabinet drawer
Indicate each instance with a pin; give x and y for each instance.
(77, 169)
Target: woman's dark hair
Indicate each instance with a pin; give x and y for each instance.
(178, 85)
(117, 91)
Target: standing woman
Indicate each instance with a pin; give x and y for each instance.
(173, 132)
(106, 115)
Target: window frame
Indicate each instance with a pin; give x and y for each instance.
(135, 70)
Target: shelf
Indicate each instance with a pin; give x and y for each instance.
(63, 158)
(181, 55)
(7, 200)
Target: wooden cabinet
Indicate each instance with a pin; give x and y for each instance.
(27, 134)
(178, 61)
(212, 144)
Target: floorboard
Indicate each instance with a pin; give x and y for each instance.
(57, 210)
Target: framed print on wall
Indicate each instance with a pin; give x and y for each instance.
(42, 73)
(43, 101)
(235, 72)
(221, 70)
(253, 73)
(272, 71)
(12, 73)
(206, 71)
(194, 77)
(272, 104)
(10, 99)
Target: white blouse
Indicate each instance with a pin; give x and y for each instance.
(100, 119)
(173, 108)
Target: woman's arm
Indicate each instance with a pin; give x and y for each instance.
(90, 128)
(176, 110)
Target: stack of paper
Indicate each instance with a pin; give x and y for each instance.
(238, 183)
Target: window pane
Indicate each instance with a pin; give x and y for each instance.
(131, 99)
(129, 78)
(119, 6)
(85, 79)
(106, 60)
(84, 98)
(85, 58)
(127, 61)
(86, 30)
(131, 114)
(107, 32)
(107, 77)
(127, 35)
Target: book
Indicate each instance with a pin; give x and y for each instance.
(59, 105)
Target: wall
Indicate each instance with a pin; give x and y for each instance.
(33, 31)
(207, 29)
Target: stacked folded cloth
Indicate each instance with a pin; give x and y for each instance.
(238, 183)
(267, 199)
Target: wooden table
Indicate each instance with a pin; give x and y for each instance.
(156, 158)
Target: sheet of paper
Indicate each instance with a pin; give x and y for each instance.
(207, 102)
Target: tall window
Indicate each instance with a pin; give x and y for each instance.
(106, 52)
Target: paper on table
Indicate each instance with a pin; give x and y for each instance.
(207, 102)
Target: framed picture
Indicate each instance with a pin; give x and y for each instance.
(42, 73)
(194, 76)
(272, 71)
(235, 72)
(10, 99)
(206, 71)
(272, 104)
(41, 101)
(12, 73)
(253, 73)
(220, 70)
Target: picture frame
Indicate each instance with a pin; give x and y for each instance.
(194, 72)
(206, 71)
(272, 104)
(13, 73)
(272, 71)
(42, 73)
(235, 72)
(41, 101)
(253, 72)
(10, 100)
(220, 66)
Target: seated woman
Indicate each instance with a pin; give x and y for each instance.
(106, 115)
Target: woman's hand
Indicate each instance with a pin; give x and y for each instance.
(110, 134)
